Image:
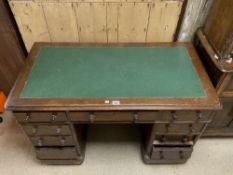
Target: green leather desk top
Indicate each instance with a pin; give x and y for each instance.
(129, 72)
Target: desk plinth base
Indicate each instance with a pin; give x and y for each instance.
(147, 160)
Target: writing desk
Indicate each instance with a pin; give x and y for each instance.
(162, 87)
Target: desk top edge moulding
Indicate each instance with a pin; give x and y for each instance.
(207, 100)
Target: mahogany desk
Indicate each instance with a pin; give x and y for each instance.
(162, 87)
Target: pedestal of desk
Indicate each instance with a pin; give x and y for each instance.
(171, 142)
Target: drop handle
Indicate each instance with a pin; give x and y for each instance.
(185, 139)
(58, 130)
(174, 115)
(34, 130)
(92, 117)
(161, 156)
(163, 139)
(167, 127)
(40, 142)
(190, 128)
(181, 153)
(199, 115)
(135, 117)
(53, 117)
(27, 117)
(63, 140)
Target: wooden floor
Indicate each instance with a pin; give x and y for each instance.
(112, 150)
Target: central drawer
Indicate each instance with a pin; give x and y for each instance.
(101, 116)
(56, 153)
(44, 129)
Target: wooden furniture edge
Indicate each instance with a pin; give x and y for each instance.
(221, 64)
(15, 103)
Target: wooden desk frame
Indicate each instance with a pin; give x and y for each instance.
(167, 139)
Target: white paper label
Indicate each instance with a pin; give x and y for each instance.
(116, 102)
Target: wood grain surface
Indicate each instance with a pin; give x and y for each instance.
(12, 52)
(96, 21)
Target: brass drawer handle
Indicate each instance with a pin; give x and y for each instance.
(174, 115)
(58, 130)
(163, 139)
(185, 139)
(167, 127)
(135, 117)
(40, 142)
(181, 153)
(199, 115)
(53, 117)
(63, 140)
(161, 155)
(27, 117)
(34, 130)
(92, 117)
(190, 128)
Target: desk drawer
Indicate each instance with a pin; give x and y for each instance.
(172, 116)
(53, 141)
(185, 116)
(40, 116)
(101, 116)
(56, 153)
(175, 140)
(178, 128)
(47, 129)
(171, 154)
(148, 116)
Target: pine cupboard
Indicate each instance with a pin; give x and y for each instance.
(96, 21)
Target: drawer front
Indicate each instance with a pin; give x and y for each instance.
(53, 141)
(172, 153)
(148, 116)
(101, 116)
(175, 140)
(56, 153)
(40, 116)
(47, 129)
(179, 128)
(185, 116)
